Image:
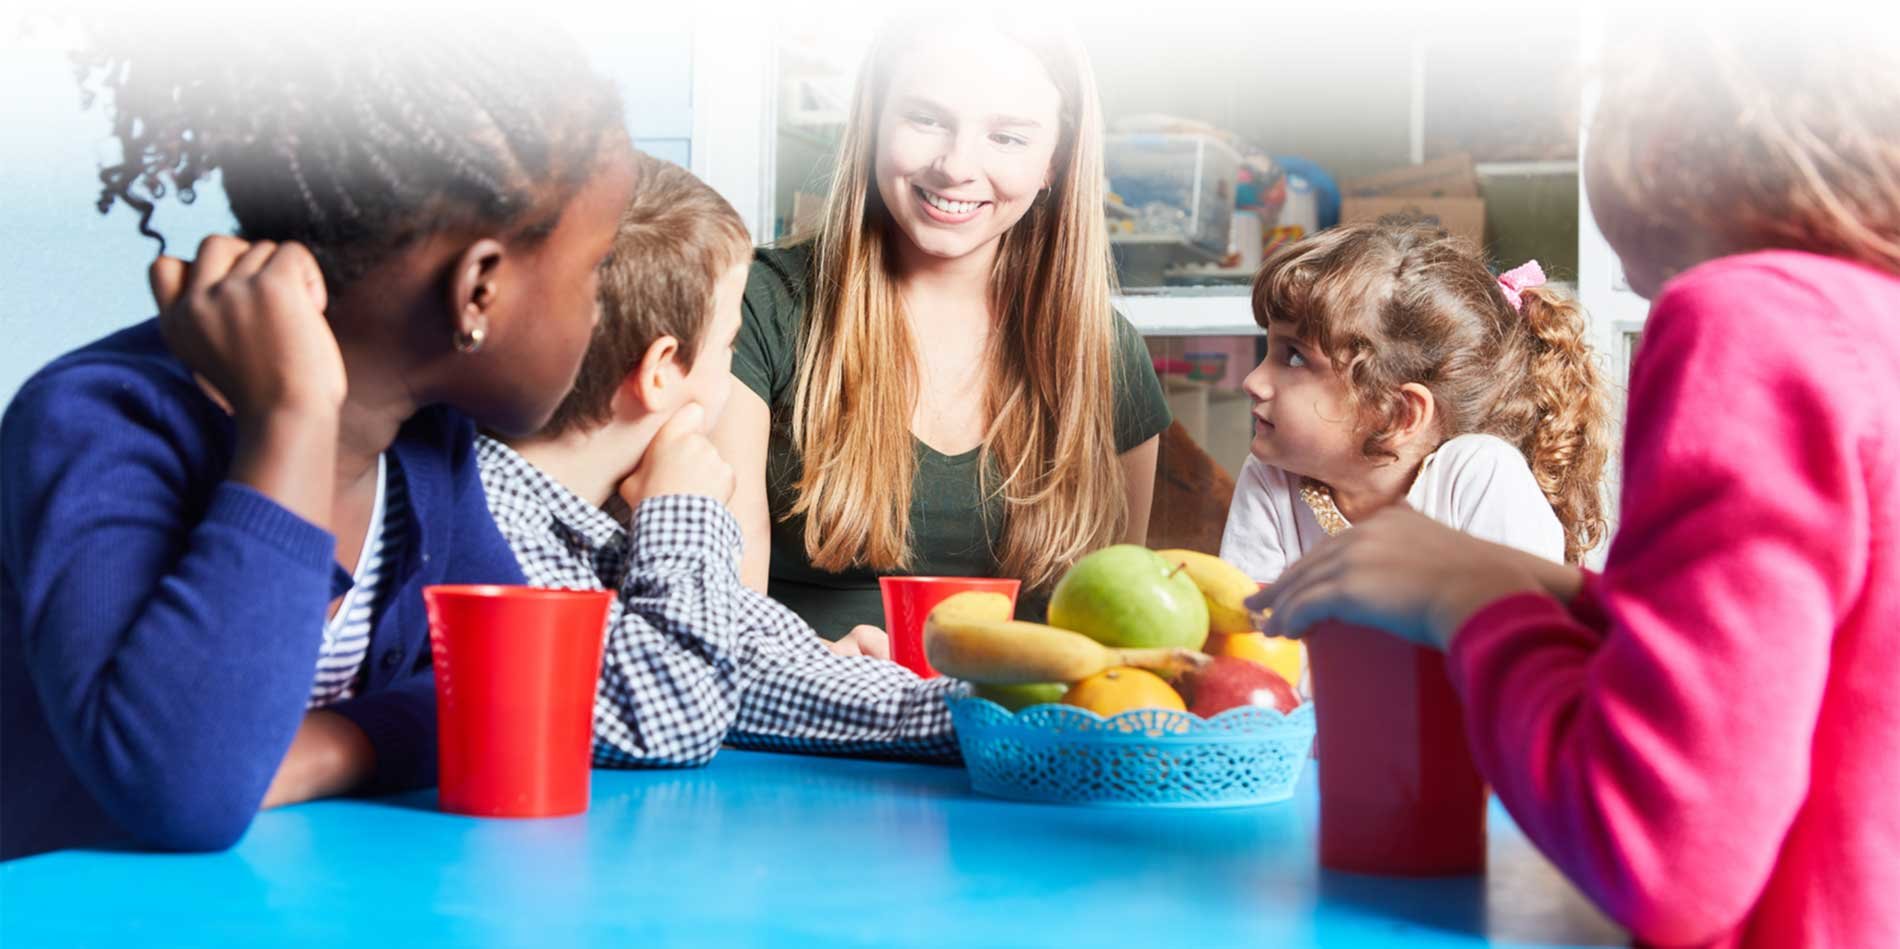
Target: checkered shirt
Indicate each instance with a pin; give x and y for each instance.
(694, 657)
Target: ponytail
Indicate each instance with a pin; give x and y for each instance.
(1568, 444)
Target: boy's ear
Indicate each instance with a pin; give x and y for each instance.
(1420, 416)
(656, 382)
(474, 291)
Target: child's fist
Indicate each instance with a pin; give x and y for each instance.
(681, 460)
(863, 641)
(248, 318)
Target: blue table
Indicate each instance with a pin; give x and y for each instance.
(774, 850)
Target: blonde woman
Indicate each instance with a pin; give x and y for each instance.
(935, 383)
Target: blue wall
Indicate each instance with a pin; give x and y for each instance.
(69, 275)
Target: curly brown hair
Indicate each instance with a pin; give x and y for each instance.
(1398, 302)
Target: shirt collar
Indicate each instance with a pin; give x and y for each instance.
(523, 494)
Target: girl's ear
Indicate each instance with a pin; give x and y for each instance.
(474, 292)
(655, 384)
(1419, 417)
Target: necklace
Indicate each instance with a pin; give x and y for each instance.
(1319, 498)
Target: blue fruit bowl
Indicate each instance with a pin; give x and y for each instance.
(1150, 757)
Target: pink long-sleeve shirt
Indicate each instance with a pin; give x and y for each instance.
(1707, 740)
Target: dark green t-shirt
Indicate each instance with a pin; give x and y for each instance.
(953, 531)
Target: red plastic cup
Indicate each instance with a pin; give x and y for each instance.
(908, 600)
(1398, 792)
(515, 673)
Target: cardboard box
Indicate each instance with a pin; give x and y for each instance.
(1463, 217)
(1443, 192)
(1453, 176)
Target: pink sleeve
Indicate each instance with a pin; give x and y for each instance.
(1662, 764)
(1587, 606)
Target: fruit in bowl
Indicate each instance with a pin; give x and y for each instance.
(1022, 695)
(1116, 691)
(1128, 596)
(970, 636)
(1223, 586)
(1226, 682)
(1284, 656)
(1125, 623)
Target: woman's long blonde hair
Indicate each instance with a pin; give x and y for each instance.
(1049, 450)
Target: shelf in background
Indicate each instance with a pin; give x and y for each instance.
(1190, 311)
(1499, 169)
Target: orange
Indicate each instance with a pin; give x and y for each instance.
(1123, 689)
(1284, 656)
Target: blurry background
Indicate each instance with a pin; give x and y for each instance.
(1232, 126)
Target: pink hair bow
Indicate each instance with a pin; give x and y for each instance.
(1519, 279)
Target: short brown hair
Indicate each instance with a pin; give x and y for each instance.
(1399, 302)
(1753, 134)
(677, 237)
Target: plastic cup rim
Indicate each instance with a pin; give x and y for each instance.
(939, 581)
(504, 591)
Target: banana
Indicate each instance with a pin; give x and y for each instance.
(1222, 584)
(971, 636)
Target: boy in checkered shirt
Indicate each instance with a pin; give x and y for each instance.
(624, 491)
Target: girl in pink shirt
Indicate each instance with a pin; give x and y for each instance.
(1706, 735)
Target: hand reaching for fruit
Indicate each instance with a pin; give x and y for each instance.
(1407, 574)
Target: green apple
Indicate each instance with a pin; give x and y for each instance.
(1019, 697)
(1132, 598)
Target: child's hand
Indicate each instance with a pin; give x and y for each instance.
(248, 319)
(863, 641)
(681, 460)
(1399, 571)
(328, 756)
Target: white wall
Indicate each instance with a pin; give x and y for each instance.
(1614, 310)
(67, 274)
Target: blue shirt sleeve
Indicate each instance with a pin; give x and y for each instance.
(166, 615)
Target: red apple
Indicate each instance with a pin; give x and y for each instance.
(1228, 682)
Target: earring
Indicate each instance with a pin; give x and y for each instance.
(470, 340)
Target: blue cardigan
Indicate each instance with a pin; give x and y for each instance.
(159, 625)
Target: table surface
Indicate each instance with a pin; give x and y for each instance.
(777, 850)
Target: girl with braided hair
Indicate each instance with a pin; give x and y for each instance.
(217, 522)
